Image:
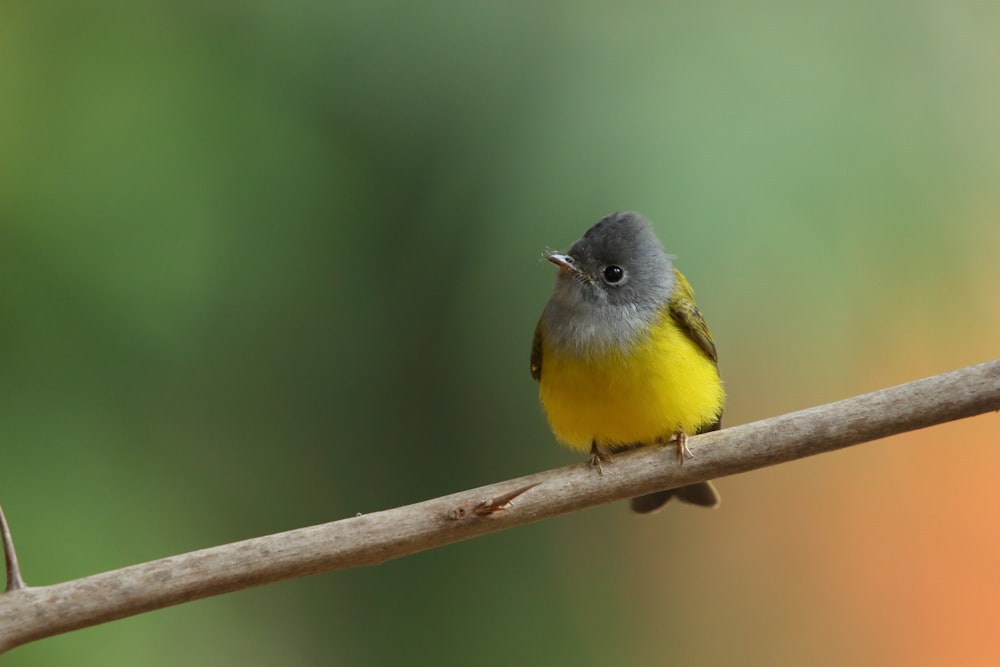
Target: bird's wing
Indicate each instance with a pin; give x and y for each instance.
(687, 316)
(690, 320)
(536, 352)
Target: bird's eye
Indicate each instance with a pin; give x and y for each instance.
(613, 274)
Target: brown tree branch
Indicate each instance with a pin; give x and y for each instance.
(30, 613)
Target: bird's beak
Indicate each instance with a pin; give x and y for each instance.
(564, 262)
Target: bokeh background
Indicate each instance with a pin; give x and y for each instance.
(270, 264)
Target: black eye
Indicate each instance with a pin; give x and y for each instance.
(613, 274)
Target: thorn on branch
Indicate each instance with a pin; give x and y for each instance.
(14, 579)
(490, 505)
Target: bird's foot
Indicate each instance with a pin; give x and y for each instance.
(597, 457)
(683, 452)
(680, 439)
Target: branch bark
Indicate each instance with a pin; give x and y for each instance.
(28, 613)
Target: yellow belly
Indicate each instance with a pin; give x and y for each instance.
(663, 384)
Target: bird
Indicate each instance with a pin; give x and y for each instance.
(622, 354)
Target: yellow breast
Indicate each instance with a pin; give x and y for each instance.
(663, 383)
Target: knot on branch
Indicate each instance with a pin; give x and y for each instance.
(488, 506)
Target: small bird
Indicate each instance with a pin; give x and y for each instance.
(622, 354)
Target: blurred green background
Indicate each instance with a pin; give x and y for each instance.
(265, 265)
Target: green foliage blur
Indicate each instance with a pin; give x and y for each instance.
(265, 265)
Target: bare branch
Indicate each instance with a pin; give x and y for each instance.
(31, 613)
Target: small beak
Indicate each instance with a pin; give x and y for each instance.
(564, 262)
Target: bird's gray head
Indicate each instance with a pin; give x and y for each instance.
(613, 283)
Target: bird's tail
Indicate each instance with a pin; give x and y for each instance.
(702, 494)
